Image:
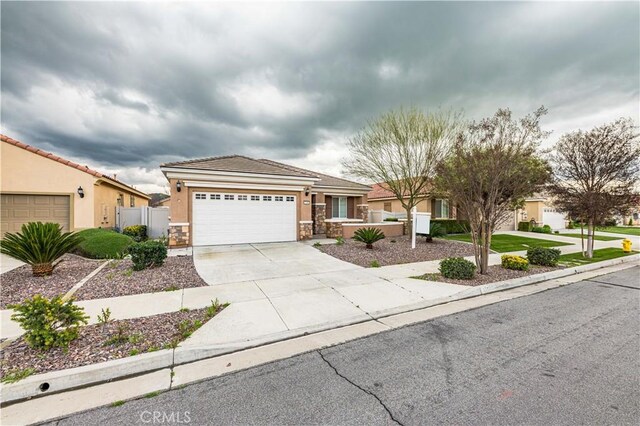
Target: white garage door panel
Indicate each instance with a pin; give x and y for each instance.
(217, 220)
(553, 218)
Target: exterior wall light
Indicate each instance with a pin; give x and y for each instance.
(178, 186)
(306, 191)
(81, 192)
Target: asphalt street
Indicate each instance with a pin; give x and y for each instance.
(570, 355)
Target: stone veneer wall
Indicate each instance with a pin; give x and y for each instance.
(363, 212)
(319, 214)
(306, 230)
(179, 235)
(334, 229)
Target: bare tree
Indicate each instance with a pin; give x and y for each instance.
(493, 167)
(596, 173)
(401, 150)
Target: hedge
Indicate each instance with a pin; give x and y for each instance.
(452, 226)
(543, 256)
(525, 226)
(101, 243)
(457, 268)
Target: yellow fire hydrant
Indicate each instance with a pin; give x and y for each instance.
(626, 245)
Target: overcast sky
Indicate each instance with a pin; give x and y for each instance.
(123, 87)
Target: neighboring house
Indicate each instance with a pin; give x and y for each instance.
(381, 198)
(165, 202)
(36, 185)
(236, 199)
(539, 209)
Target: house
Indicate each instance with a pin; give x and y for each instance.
(540, 209)
(236, 199)
(36, 185)
(382, 199)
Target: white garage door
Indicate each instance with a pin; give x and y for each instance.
(243, 218)
(553, 218)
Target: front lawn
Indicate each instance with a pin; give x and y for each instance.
(503, 243)
(626, 230)
(103, 244)
(576, 259)
(595, 237)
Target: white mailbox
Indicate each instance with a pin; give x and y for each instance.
(422, 223)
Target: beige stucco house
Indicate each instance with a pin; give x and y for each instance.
(381, 198)
(36, 185)
(236, 199)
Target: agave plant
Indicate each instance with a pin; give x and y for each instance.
(368, 236)
(39, 245)
(436, 230)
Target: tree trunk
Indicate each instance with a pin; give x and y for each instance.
(370, 246)
(486, 249)
(42, 269)
(582, 238)
(409, 220)
(590, 239)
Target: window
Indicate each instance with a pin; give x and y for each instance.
(228, 197)
(278, 198)
(120, 200)
(339, 207)
(266, 198)
(201, 196)
(214, 196)
(442, 209)
(387, 207)
(132, 201)
(290, 198)
(242, 198)
(255, 198)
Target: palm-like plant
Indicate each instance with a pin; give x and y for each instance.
(368, 236)
(436, 230)
(39, 245)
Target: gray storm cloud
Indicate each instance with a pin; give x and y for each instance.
(126, 86)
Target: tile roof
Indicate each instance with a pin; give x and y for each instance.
(61, 160)
(242, 164)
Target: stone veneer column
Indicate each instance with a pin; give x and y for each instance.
(334, 229)
(178, 234)
(306, 230)
(363, 212)
(319, 212)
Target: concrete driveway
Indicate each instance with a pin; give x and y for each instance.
(283, 288)
(8, 263)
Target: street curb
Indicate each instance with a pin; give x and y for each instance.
(110, 371)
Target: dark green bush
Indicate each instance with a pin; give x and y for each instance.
(457, 268)
(391, 219)
(516, 263)
(368, 236)
(147, 254)
(546, 229)
(137, 232)
(525, 226)
(543, 256)
(49, 323)
(453, 226)
(570, 225)
(101, 243)
(630, 222)
(542, 229)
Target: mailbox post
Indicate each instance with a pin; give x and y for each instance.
(420, 224)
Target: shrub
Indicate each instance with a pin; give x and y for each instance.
(630, 223)
(49, 323)
(137, 232)
(610, 222)
(368, 236)
(517, 263)
(452, 226)
(525, 226)
(39, 245)
(543, 256)
(374, 264)
(436, 230)
(391, 219)
(457, 268)
(541, 229)
(103, 244)
(339, 241)
(147, 254)
(570, 225)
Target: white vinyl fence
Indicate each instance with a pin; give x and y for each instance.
(377, 216)
(155, 218)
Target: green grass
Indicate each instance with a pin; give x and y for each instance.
(103, 244)
(117, 403)
(17, 375)
(596, 237)
(503, 243)
(576, 259)
(626, 230)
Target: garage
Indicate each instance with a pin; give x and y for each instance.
(228, 218)
(553, 218)
(18, 209)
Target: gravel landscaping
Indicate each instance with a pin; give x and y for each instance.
(496, 273)
(19, 284)
(119, 279)
(386, 252)
(99, 343)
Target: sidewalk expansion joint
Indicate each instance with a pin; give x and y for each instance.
(360, 388)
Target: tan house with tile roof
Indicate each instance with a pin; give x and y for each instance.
(382, 199)
(36, 185)
(237, 199)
